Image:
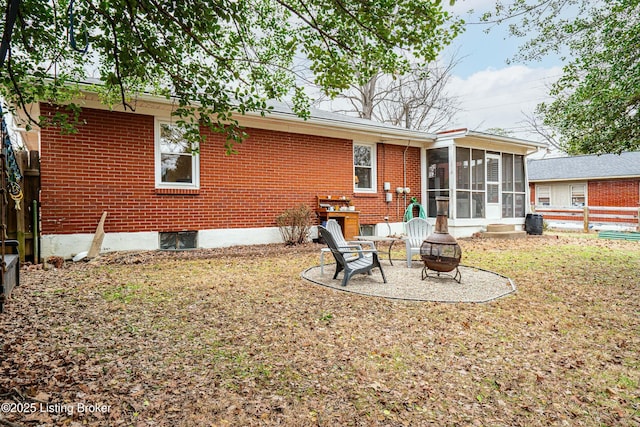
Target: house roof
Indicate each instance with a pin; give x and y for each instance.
(356, 126)
(469, 138)
(585, 167)
(323, 123)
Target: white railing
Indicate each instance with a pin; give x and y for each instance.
(629, 216)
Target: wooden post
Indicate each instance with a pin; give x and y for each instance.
(94, 250)
(20, 209)
(21, 233)
(31, 190)
(638, 227)
(35, 226)
(586, 219)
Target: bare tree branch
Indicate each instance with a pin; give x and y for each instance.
(417, 100)
(536, 126)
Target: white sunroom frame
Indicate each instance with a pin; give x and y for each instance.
(465, 227)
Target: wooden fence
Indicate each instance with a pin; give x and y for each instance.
(23, 224)
(624, 216)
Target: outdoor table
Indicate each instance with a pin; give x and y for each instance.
(389, 239)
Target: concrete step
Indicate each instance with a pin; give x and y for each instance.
(503, 231)
(499, 228)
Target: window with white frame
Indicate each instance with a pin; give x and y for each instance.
(177, 158)
(364, 170)
(543, 195)
(578, 195)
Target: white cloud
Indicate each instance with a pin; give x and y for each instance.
(497, 98)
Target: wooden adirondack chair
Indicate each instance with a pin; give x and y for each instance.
(351, 259)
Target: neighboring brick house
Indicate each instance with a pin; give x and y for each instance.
(132, 166)
(560, 186)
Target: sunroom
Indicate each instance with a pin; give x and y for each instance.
(484, 177)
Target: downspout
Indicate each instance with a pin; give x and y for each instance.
(384, 176)
(404, 172)
(407, 124)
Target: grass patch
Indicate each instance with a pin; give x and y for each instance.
(121, 293)
(240, 339)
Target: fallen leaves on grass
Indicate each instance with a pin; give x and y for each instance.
(235, 337)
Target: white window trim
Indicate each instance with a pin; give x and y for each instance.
(374, 168)
(195, 185)
(584, 194)
(543, 190)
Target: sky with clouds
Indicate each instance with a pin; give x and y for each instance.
(492, 93)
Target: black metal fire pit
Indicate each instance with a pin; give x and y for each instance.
(440, 251)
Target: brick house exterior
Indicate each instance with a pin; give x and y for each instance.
(95, 171)
(110, 165)
(597, 182)
(614, 192)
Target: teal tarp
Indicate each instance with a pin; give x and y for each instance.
(408, 213)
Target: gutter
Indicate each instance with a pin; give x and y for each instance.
(335, 121)
(586, 178)
(382, 131)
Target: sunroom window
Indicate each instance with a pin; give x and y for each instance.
(463, 182)
(177, 160)
(513, 186)
(477, 184)
(438, 177)
(470, 183)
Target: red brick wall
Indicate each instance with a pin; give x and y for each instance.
(109, 166)
(618, 192)
(390, 169)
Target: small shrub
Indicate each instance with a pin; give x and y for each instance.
(295, 224)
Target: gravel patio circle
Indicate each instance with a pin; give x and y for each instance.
(403, 283)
